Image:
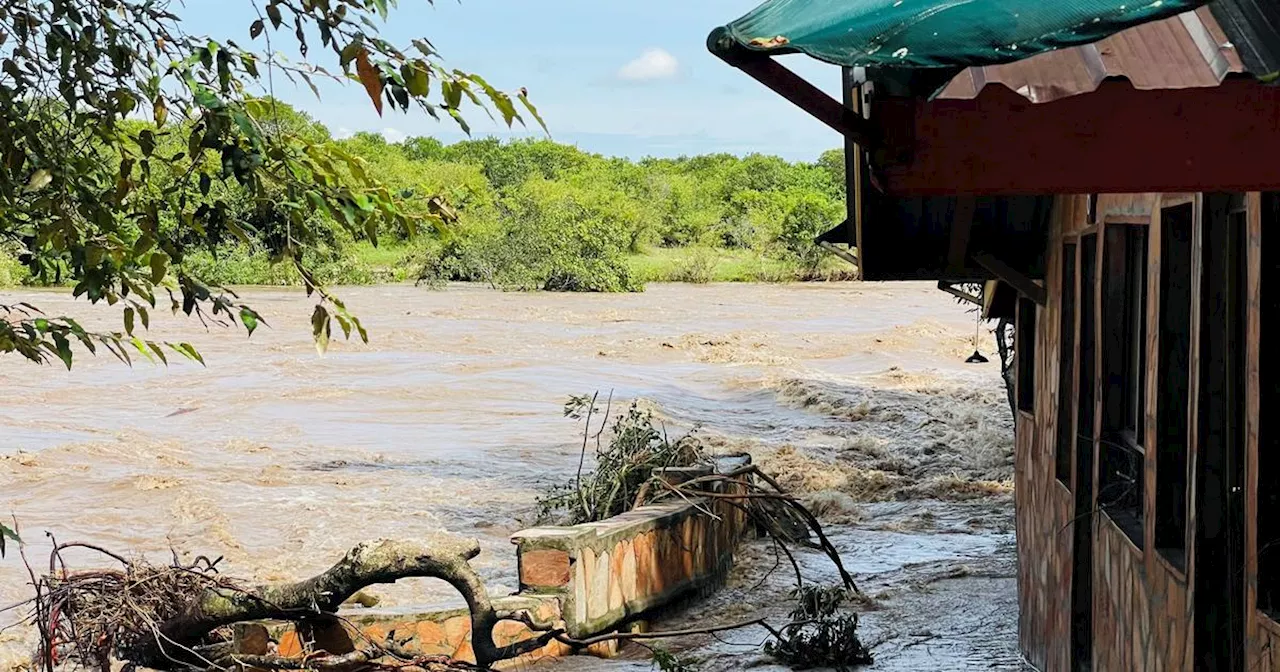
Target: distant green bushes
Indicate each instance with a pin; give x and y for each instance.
(12, 273)
(552, 217)
(535, 214)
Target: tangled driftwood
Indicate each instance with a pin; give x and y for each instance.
(175, 617)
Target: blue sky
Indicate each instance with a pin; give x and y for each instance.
(627, 78)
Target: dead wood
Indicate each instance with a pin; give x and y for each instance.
(174, 617)
(771, 508)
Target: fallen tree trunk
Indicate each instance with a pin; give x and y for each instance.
(125, 617)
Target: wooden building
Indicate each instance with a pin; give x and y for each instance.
(1126, 193)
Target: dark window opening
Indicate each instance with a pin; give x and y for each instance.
(1025, 350)
(1066, 364)
(1220, 430)
(1173, 388)
(1121, 469)
(1088, 339)
(1082, 523)
(1268, 490)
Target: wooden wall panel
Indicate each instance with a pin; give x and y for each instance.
(1141, 618)
(1138, 206)
(1142, 606)
(1264, 643)
(1044, 505)
(1262, 635)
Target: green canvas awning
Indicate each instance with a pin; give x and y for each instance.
(934, 33)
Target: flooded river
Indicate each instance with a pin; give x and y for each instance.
(450, 420)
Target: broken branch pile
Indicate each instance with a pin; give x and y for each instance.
(176, 617)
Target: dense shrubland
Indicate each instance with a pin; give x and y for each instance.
(537, 214)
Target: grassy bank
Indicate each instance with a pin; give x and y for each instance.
(358, 263)
(701, 264)
(363, 264)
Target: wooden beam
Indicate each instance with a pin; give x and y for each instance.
(961, 227)
(761, 67)
(959, 293)
(1117, 139)
(1127, 219)
(1174, 200)
(853, 163)
(1025, 286)
(848, 256)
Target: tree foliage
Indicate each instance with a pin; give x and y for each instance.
(130, 142)
(545, 205)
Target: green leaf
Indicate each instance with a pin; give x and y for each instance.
(401, 96)
(452, 93)
(141, 347)
(255, 29)
(318, 203)
(189, 351)
(6, 534)
(147, 142)
(128, 320)
(160, 112)
(159, 266)
(249, 318)
(320, 329)
(125, 101)
(364, 335)
(524, 100)
(416, 79)
(424, 47)
(114, 347)
(273, 12)
(159, 352)
(206, 98)
(63, 349)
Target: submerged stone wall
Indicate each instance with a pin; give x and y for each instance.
(587, 579)
(615, 570)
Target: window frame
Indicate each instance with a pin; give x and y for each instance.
(1174, 427)
(1025, 352)
(1068, 315)
(1123, 313)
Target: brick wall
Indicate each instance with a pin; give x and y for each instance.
(587, 579)
(608, 572)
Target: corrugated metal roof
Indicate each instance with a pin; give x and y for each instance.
(1255, 29)
(1184, 51)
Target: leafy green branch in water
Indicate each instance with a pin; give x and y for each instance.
(624, 464)
(6, 535)
(129, 143)
(666, 661)
(821, 632)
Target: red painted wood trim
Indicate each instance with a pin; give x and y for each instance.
(1115, 140)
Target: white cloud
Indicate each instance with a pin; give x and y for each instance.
(652, 64)
(343, 133)
(393, 135)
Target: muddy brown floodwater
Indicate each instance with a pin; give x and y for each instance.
(449, 420)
